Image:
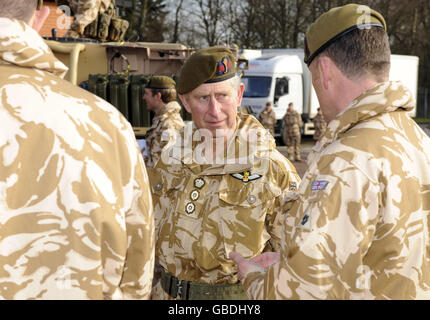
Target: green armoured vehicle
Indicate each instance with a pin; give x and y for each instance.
(118, 72)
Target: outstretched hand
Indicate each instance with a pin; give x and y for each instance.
(259, 263)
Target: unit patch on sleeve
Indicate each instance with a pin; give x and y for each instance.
(293, 186)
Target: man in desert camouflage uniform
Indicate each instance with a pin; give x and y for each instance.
(319, 125)
(268, 118)
(216, 188)
(85, 12)
(360, 226)
(293, 123)
(160, 97)
(76, 216)
(96, 19)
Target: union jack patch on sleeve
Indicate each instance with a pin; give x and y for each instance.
(319, 185)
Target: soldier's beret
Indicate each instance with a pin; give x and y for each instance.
(336, 23)
(161, 82)
(207, 65)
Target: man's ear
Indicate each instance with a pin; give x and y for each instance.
(185, 103)
(158, 96)
(240, 94)
(39, 18)
(324, 68)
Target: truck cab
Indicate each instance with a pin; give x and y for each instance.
(276, 79)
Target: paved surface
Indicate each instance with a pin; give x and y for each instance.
(308, 143)
(306, 146)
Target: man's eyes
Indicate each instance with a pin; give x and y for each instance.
(219, 96)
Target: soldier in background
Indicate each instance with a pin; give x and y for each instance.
(268, 118)
(160, 97)
(215, 190)
(319, 125)
(293, 123)
(96, 19)
(360, 225)
(76, 217)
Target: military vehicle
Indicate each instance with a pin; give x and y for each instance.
(118, 72)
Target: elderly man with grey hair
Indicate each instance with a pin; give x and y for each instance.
(215, 191)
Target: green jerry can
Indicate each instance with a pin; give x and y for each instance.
(118, 92)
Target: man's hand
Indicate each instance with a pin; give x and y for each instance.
(259, 263)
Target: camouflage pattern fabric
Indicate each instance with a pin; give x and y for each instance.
(76, 217)
(205, 211)
(360, 226)
(268, 120)
(85, 12)
(163, 132)
(319, 125)
(293, 123)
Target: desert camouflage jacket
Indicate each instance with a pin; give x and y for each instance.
(205, 211)
(293, 123)
(360, 226)
(76, 218)
(163, 131)
(268, 119)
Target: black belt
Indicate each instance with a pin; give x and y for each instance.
(187, 290)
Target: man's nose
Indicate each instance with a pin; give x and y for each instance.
(214, 107)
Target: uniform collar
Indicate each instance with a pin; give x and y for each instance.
(237, 155)
(382, 98)
(22, 46)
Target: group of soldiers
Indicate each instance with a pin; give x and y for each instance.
(293, 123)
(218, 212)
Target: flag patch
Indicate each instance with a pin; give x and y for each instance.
(319, 185)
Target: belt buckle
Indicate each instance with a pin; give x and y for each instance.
(179, 286)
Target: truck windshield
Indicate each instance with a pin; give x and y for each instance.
(257, 87)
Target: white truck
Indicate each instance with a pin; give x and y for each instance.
(280, 76)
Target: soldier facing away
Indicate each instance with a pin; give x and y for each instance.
(320, 125)
(293, 123)
(160, 97)
(268, 118)
(216, 188)
(76, 217)
(360, 226)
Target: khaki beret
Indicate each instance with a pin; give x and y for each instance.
(161, 82)
(336, 23)
(207, 65)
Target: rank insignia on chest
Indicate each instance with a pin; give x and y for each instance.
(246, 176)
(195, 195)
(199, 183)
(319, 185)
(190, 208)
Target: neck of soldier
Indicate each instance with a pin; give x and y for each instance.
(216, 146)
(160, 109)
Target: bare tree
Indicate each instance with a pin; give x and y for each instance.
(178, 10)
(210, 16)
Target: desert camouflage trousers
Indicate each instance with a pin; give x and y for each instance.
(293, 144)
